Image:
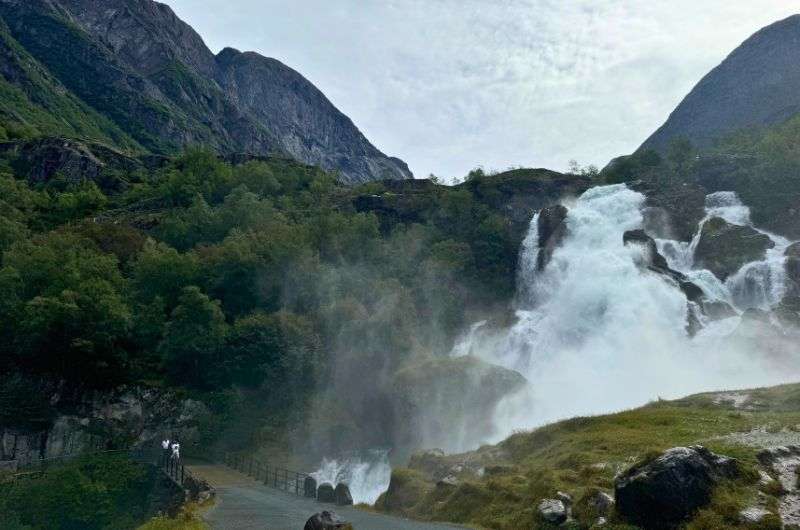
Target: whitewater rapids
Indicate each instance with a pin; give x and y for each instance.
(596, 333)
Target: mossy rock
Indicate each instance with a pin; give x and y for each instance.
(724, 247)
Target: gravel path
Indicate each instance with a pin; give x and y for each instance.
(243, 504)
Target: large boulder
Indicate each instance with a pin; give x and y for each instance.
(326, 521)
(665, 491)
(310, 487)
(326, 493)
(552, 228)
(342, 495)
(724, 248)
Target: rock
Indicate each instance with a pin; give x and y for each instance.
(793, 268)
(552, 510)
(326, 492)
(310, 487)
(342, 495)
(654, 259)
(551, 230)
(326, 521)
(717, 309)
(601, 521)
(724, 248)
(441, 396)
(600, 502)
(753, 515)
(663, 492)
(197, 489)
(449, 481)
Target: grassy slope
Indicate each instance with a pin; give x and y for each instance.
(38, 101)
(581, 454)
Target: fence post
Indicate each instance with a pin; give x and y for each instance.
(275, 479)
(182, 474)
(297, 483)
(266, 474)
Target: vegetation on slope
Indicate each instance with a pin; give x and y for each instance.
(582, 455)
(245, 286)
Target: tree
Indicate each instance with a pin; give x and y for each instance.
(192, 347)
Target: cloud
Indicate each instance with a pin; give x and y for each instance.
(451, 84)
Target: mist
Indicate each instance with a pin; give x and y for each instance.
(597, 332)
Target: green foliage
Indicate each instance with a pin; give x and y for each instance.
(106, 492)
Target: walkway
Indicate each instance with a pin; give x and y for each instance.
(244, 504)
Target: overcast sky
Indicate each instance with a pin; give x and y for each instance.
(448, 85)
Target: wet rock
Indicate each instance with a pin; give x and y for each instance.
(640, 237)
(552, 228)
(326, 521)
(310, 487)
(724, 248)
(552, 510)
(663, 492)
(342, 495)
(793, 268)
(326, 493)
(717, 309)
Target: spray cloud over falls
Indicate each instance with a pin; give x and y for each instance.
(596, 332)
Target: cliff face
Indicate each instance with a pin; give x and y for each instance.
(151, 77)
(758, 84)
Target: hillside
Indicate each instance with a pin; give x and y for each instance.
(757, 85)
(135, 76)
(500, 486)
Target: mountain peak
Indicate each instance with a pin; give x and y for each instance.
(139, 65)
(757, 85)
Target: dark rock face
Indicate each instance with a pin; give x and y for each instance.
(756, 85)
(664, 492)
(640, 237)
(342, 494)
(325, 493)
(326, 521)
(135, 65)
(793, 268)
(723, 248)
(552, 229)
(310, 487)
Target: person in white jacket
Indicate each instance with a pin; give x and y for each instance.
(165, 446)
(176, 450)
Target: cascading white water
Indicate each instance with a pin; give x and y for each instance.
(760, 284)
(596, 333)
(367, 476)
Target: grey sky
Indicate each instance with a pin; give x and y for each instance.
(448, 85)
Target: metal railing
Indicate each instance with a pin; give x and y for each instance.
(273, 476)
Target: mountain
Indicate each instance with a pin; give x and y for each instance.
(132, 74)
(757, 85)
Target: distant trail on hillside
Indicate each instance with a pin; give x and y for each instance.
(243, 503)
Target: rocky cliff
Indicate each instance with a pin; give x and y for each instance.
(758, 84)
(131, 73)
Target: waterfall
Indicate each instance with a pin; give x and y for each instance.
(366, 475)
(596, 333)
(759, 284)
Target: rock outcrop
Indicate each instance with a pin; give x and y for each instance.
(757, 85)
(435, 398)
(665, 491)
(724, 247)
(142, 78)
(552, 228)
(326, 521)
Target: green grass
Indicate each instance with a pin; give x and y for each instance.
(583, 454)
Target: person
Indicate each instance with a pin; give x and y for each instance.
(176, 450)
(165, 449)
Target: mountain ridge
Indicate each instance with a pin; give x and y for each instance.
(756, 85)
(136, 63)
